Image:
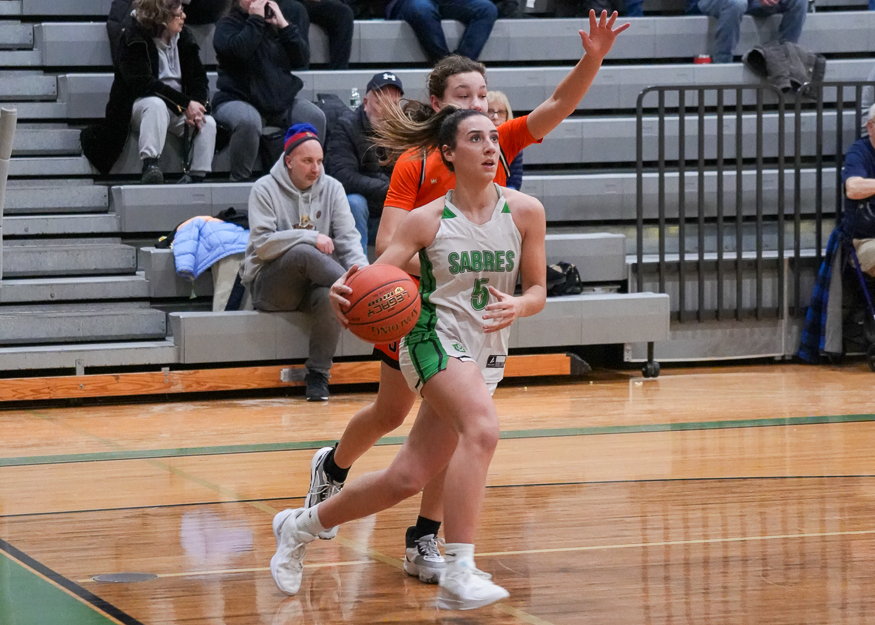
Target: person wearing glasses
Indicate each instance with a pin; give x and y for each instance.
(499, 112)
(160, 86)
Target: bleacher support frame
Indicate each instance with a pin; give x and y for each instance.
(684, 262)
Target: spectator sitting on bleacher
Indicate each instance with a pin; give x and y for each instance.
(256, 86)
(425, 17)
(302, 238)
(160, 85)
(352, 157)
(499, 112)
(730, 12)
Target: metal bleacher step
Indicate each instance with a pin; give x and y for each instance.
(72, 323)
(24, 197)
(20, 58)
(25, 86)
(67, 257)
(38, 110)
(79, 289)
(50, 166)
(58, 225)
(16, 36)
(82, 355)
(10, 7)
(46, 141)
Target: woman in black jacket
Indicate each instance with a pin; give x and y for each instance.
(256, 87)
(160, 85)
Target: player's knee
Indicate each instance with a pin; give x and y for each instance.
(407, 483)
(483, 435)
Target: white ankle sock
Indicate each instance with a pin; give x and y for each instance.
(308, 521)
(459, 556)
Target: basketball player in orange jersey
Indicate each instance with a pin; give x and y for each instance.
(472, 244)
(459, 82)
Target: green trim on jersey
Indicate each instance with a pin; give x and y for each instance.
(506, 208)
(427, 321)
(447, 214)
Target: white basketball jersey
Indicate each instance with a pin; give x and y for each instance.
(457, 267)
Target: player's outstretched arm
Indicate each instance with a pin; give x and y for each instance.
(574, 86)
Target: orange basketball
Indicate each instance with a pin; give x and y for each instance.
(384, 303)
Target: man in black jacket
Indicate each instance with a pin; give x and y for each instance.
(256, 87)
(354, 160)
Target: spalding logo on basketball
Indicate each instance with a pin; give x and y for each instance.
(384, 304)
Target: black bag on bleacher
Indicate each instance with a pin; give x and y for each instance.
(563, 279)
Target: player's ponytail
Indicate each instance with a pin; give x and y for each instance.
(397, 132)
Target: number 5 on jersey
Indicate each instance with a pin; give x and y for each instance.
(480, 294)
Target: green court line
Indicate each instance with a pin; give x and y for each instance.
(182, 452)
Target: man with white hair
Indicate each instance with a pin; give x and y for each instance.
(858, 177)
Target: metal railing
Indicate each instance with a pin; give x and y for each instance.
(727, 127)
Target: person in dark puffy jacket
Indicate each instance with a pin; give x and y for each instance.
(256, 86)
(160, 86)
(353, 159)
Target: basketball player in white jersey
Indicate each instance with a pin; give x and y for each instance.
(471, 244)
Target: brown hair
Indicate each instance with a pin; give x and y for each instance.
(398, 133)
(400, 122)
(154, 15)
(436, 81)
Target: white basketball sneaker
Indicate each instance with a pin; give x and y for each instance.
(321, 487)
(423, 559)
(287, 564)
(467, 588)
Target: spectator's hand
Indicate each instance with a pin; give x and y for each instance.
(278, 18)
(257, 7)
(338, 293)
(601, 34)
(769, 3)
(194, 114)
(324, 244)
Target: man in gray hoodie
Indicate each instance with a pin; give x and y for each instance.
(302, 238)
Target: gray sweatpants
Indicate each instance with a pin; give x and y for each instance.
(245, 123)
(300, 280)
(153, 120)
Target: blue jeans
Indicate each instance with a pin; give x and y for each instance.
(425, 18)
(359, 207)
(730, 12)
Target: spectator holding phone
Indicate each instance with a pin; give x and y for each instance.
(256, 86)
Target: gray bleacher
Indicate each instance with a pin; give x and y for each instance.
(72, 270)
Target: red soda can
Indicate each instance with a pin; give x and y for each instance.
(702, 59)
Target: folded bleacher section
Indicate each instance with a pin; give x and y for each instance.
(83, 288)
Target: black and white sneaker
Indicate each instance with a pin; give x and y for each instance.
(317, 386)
(423, 559)
(321, 487)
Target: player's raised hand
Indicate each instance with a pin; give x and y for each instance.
(338, 293)
(601, 34)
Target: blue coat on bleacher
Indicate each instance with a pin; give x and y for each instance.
(201, 241)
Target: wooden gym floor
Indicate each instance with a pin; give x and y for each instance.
(724, 495)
